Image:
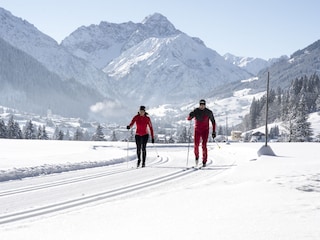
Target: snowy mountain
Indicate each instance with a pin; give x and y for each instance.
(27, 85)
(250, 64)
(301, 63)
(100, 44)
(152, 61)
(26, 37)
(178, 67)
(171, 69)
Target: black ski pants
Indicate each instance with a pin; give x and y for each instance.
(141, 142)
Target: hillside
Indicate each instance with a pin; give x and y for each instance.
(27, 85)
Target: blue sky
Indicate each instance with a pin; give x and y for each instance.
(253, 28)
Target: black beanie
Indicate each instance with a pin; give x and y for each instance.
(202, 101)
(143, 108)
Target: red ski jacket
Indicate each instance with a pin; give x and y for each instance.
(142, 123)
(202, 118)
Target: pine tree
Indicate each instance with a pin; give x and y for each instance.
(183, 136)
(301, 128)
(285, 107)
(13, 129)
(114, 136)
(275, 132)
(60, 135)
(39, 133)
(3, 129)
(55, 133)
(279, 96)
(43, 134)
(10, 128)
(67, 136)
(29, 131)
(98, 136)
(78, 135)
(318, 103)
(254, 114)
(18, 131)
(85, 136)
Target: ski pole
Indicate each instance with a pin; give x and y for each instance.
(217, 143)
(189, 140)
(154, 146)
(128, 149)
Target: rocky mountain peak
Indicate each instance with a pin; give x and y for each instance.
(159, 25)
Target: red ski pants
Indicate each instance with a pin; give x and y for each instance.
(201, 135)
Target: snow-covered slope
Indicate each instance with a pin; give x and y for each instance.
(30, 87)
(250, 64)
(55, 58)
(171, 69)
(231, 109)
(152, 61)
(99, 44)
(283, 71)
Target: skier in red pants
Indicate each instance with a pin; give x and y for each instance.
(202, 116)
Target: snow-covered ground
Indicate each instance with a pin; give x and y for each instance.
(238, 196)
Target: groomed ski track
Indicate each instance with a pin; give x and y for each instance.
(33, 198)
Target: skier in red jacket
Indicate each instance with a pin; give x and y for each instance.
(142, 122)
(202, 116)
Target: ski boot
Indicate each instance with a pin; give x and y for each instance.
(197, 162)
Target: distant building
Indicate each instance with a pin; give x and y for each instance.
(161, 138)
(236, 135)
(257, 137)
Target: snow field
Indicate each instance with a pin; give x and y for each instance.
(238, 196)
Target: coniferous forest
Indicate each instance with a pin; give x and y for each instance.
(290, 106)
(12, 130)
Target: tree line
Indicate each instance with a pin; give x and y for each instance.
(291, 106)
(12, 130)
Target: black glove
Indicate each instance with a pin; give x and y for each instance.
(213, 135)
(152, 140)
(191, 114)
(128, 127)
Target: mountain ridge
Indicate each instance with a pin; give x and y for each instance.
(251, 64)
(174, 74)
(87, 42)
(25, 83)
(124, 64)
(177, 56)
(26, 37)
